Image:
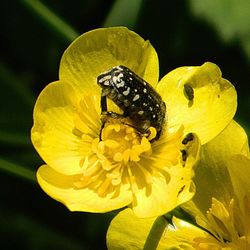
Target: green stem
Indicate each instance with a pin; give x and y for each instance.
(155, 233)
(181, 214)
(17, 170)
(50, 18)
(16, 139)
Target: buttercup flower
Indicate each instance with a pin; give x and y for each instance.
(99, 166)
(221, 204)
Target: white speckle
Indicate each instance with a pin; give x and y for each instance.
(154, 116)
(119, 68)
(105, 78)
(141, 112)
(145, 104)
(114, 79)
(136, 97)
(119, 77)
(106, 83)
(135, 90)
(145, 83)
(126, 92)
(130, 78)
(157, 105)
(121, 84)
(145, 90)
(150, 108)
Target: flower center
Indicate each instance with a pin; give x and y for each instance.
(115, 152)
(227, 225)
(118, 158)
(121, 143)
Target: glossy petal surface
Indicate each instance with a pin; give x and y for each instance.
(212, 107)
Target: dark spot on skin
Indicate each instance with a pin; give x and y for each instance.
(189, 137)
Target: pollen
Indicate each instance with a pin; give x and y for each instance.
(123, 144)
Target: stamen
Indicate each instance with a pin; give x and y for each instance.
(121, 156)
(228, 229)
(121, 147)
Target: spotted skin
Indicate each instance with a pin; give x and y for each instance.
(138, 100)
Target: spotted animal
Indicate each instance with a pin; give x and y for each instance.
(138, 100)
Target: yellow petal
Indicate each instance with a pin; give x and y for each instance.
(98, 50)
(183, 235)
(213, 105)
(212, 178)
(170, 187)
(127, 231)
(163, 197)
(61, 188)
(52, 133)
(239, 170)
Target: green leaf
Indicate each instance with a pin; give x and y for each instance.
(155, 233)
(230, 18)
(16, 102)
(15, 85)
(51, 19)
(14, 139)
(123, 13)
(17, 170)
(33, 233)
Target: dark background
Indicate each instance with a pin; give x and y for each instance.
(182, 34)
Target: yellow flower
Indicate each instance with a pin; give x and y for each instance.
(95, 168)
(221, 204)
